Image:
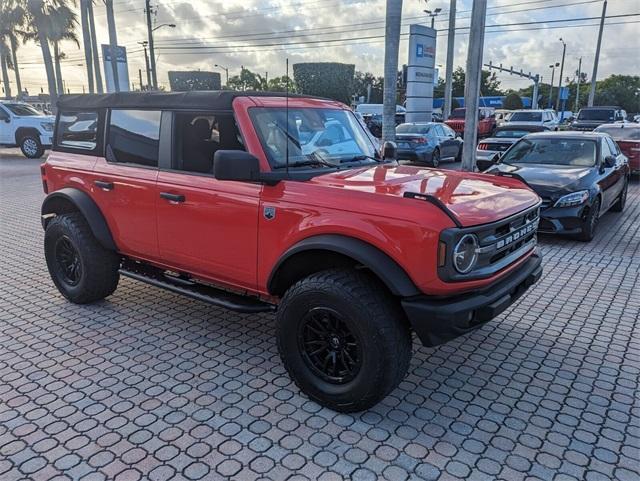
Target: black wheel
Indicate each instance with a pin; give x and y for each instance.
(459, 155)
(31, 147)
(343, 339)
(590, 222)
(82, 270)
(435, 158)
(622, 200)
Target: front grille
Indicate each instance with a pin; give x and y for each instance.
(501, 244)
(546, 203)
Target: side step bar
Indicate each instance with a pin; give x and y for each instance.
(201, 292)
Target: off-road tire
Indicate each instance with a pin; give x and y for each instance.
(591, 222)
(435, 158)
(31, 147)
(98, 276)
(374, 317)
(622, 199)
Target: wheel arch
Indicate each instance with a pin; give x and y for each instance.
(23, 131)
(74, 200)
(327, 251)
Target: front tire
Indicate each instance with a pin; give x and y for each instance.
(343, 339)
(435, 158)
(82, 270)
(31, 147)
(590, 222)
(622, 200)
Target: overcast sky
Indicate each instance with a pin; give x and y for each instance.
(252, 33)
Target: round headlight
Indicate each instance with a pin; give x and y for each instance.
(465, 254)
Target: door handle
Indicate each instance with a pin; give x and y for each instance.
(172, 197)
(104, 185)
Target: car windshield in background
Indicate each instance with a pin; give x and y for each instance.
(312, 138)
(596, 114)
(458, 114)
(412, 129)
(511, 134)
(526, 117)
(567, 152)
(626, 133)
(23, 110)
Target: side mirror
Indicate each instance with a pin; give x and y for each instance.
(7, 120)
(389, 151)
(609, 161)
(236, 165)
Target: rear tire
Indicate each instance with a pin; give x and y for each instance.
(622, 200)
(31, 147)
(435, 158)
(459, 156)
(82, 270)
(591, 222)
(343, 339)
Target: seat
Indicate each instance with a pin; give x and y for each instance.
(197, 147)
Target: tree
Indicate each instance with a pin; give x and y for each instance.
(361, 83)
(247, 80)
(194, 80)
(279, 84)
(38, 12)
(512, 101)
(12, 20)
(325, 79)
(622, 90)
(490, 84)
(391, 46)
(63, 22)
(113, 43)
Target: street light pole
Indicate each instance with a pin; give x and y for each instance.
(594, 75)
(578, 85)
(446, 111)
(226, 71)
(152, 54)
(564, 51)
(472, 84)
(146, 62)
(553, 73)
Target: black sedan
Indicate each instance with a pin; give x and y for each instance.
(579, 176)
(428, 143)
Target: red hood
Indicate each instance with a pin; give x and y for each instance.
(472, 198)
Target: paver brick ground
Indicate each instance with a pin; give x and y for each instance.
(151, 385)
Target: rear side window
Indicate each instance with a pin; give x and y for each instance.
(134, 136)
(78, 130)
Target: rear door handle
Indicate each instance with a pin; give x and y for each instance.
(104, 185)
(172, 197)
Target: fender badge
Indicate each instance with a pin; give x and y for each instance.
(269, 213)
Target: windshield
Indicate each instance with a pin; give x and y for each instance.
(313, 138)
(626, 133)
(412, 129)
(596, 114)
(568, 152)
(526, 117)
(458, 114)
(510, 133)
(22, 109)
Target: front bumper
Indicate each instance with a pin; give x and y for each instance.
(438, 320)
(46, 140)
(562, 220)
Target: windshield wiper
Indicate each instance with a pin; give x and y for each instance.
(314, 159)
(359, 157)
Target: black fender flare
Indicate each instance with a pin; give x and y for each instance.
(22, 131)
(57, 202)
(383, 266)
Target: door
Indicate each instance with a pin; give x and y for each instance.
(207, 227)
(124, 181)
(609, 176)
(449, 140)
(6, 131)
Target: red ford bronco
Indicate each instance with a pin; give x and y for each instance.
(257, 202)
(486, 121)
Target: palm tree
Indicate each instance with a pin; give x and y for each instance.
(63, 24)
(113, 43)
(391, 47)
(12, 19)
(4, 66)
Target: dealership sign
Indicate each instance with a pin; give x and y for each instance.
(420, 73)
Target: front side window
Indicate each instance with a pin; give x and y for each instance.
(78, 130)
(526, 117)
(134, 137)
(23, 110)
(597, 114)
(311, 137)
(561, 152)
(199, 135)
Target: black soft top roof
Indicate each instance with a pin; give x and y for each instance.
(204, 99)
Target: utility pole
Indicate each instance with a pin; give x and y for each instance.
(86, 40)
(94, 48)
(393, 22)
(578, 85)
(113, 43)
(146, 62)
(594, 75)
(553, 73)
(152, 55)
(564, 51)
(451, 38)
(472, 84)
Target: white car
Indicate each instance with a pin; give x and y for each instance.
(23, 126)
(543, 117)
